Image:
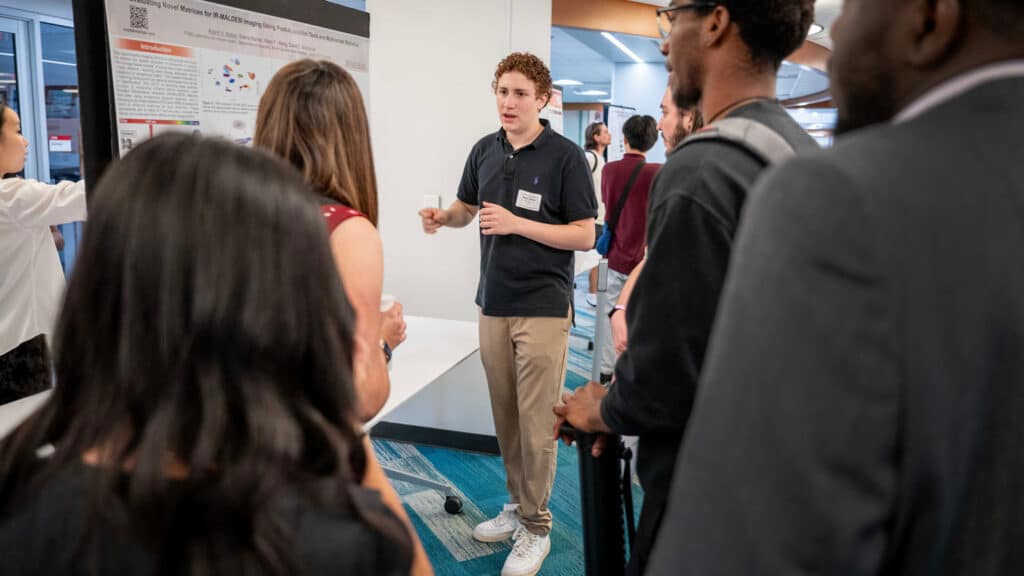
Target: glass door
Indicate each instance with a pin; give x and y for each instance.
(63, 124)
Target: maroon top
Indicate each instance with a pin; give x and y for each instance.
(335, 214)
(630, 232)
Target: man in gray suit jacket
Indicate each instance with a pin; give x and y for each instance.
(862, 405)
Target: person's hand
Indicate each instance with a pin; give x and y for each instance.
(433, 219)
(582, 410)
(392, 326)
(557, 433)
(58, 238)
(599, 445)
(495, 220)
(620, 332)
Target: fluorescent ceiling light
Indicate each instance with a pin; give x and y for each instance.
(567, 82)
(591, 93)
(815, 29)
(622, 47)
(58, 62)
(71, 90)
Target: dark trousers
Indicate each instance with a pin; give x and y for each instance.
(25, 370)
(647, 529)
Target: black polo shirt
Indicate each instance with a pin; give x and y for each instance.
(547, 181)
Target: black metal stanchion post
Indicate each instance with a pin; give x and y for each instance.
(604, 544)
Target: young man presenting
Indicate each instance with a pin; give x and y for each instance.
(536, 201)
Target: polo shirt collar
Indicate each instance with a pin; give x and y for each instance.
(537, 142)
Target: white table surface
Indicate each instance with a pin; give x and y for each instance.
(434, 346)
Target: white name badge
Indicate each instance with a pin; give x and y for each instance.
(528, 201)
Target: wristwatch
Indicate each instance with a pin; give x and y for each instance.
(387, 350)
(615, 309)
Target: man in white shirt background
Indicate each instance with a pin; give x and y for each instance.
(31, 277)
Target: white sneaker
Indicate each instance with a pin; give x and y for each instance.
(499, 528)
(528, 554)
(592, 299)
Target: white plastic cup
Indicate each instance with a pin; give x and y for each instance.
(387, 301)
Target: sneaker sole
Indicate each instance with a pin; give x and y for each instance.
(539, 565)
(492, 539)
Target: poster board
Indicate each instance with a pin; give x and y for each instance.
(152, 66)
(615, 117)
(553, 112)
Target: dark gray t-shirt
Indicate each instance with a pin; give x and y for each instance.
(547, 181)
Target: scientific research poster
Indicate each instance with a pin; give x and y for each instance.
(202, 66)
(553, 111)
(617, 116)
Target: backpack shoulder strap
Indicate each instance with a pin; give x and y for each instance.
(753, 136)
(592, 156)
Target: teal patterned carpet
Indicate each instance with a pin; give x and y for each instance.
(480, 480)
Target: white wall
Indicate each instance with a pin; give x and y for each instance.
(431, 67)
(642, 86)
(574, 126)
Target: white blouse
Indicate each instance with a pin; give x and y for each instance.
(596, 175)
(31, 278)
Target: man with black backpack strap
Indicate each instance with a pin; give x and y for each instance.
(725, 55)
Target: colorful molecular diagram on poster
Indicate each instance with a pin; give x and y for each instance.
(232, 78)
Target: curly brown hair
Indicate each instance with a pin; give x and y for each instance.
(528, 65)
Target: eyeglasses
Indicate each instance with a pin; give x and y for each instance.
(666, 16)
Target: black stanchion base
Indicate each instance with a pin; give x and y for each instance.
(604, 544)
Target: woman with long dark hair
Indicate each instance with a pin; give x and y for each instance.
(312, 115)
(204, 419)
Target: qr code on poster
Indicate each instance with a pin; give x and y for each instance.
(139, 17)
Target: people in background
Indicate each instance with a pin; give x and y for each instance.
(312, 115)
(631, 178)
(860, 410)
(206, 417)
(31, 277)
(597, 140)
(723, 55)
(675, 125)
(534, 195)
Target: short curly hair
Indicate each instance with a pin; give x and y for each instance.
(528, 65)
(771, 29)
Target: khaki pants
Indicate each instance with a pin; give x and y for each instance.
(525, 361)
